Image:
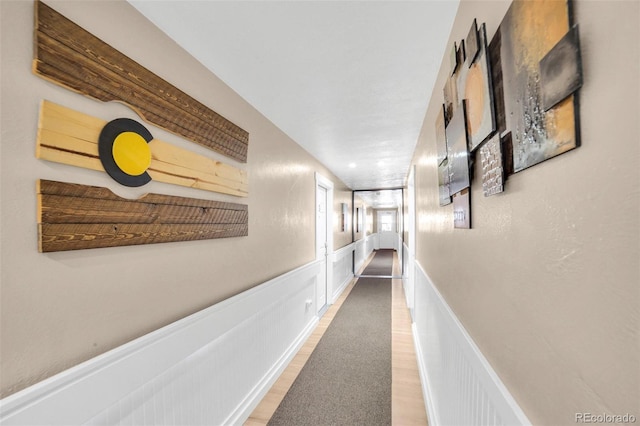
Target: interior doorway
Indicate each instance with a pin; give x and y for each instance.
(387, 207)
(387, 229)
(324, 241)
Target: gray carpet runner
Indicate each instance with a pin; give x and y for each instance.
(381, 264)
(347, 379)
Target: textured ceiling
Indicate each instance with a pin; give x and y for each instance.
(347, 80)
(384, 199)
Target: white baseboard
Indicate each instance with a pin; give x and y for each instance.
(210, 368)
(459, 385)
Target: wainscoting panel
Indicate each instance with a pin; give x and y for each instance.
(408, 279)
(370, 244)
(211, 368)
(364, 248)
(460, 386)
(342, 270)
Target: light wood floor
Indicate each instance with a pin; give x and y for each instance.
(407, 403)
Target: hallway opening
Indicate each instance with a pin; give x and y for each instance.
(382, 218)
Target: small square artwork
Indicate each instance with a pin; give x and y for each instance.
(561, 70)
(492, 170)
(457, 151)
(472, 44)
(443, 183)
(462, 209)
(527, 33)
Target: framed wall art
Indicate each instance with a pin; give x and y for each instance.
(458, 151)
(477, 89)
(462, 209)
(540, 102)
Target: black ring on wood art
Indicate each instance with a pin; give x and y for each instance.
(108, 135)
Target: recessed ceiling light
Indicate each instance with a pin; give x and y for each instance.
(352, 165)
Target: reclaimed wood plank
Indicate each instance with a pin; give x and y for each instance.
(65, 209)
(65, 237)
(50, 187)
(107, 86)
(70, 56)
(57, 27)
(75, 217)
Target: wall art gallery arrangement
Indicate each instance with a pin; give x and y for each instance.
(513, 101)
(73, 216)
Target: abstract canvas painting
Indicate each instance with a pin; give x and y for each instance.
(443, 183)
(441, 139)
(453, 58)
(561, 70)
(477, 90)
(451, 88)
(527, 33)
(457, 151)
(472, 44)
(450, 98)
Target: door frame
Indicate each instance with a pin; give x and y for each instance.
(327, 185)
(394, 231)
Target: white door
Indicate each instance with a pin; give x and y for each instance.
(387, 231)
(322, 245)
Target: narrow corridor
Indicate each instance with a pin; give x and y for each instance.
(407, 403)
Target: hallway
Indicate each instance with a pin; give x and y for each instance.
(407, 402)
(182, 301)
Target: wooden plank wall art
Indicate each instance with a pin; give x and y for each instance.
(70, 56)
(74, 216)
(516, 96)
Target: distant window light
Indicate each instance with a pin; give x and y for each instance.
(386, 222)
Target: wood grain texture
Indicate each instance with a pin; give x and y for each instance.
(70, 56)
(74, 216)
(71, 137)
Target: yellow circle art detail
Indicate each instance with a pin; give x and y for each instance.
(131, 153)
